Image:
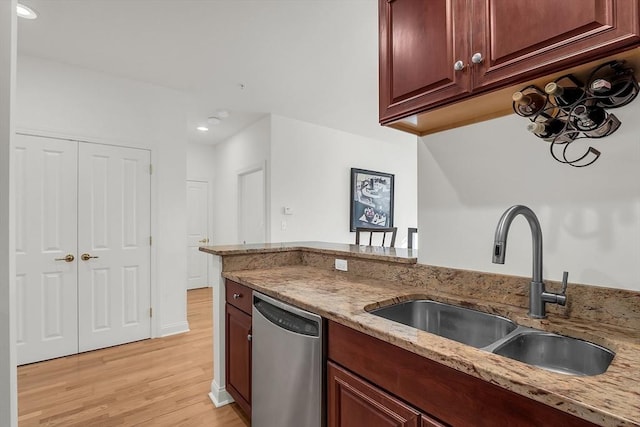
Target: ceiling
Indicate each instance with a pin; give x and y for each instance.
(312, 60)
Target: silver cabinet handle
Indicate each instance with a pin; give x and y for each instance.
(477, 58)
(236, 296)
(249, 337)
(458, 66)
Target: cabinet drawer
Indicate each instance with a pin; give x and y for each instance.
(239, 296)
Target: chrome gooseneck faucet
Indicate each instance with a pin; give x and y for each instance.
(538, 296)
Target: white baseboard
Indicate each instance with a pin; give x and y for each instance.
(174, 328)
(219, 395)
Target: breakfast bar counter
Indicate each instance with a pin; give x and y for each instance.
(310, 282)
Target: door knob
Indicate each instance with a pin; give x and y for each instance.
(458, 66)
(477, 58)
(205, 240)
(67, 258)
(87, 257)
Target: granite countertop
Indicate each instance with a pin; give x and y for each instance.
(609, 399)
(398, 255)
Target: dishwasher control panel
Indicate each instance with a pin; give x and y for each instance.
(287, 320)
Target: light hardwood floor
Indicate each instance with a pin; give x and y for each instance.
(159, 382)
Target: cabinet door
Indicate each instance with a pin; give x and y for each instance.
(520, 39)
(353, 402)
(420, 40)
(238, 355)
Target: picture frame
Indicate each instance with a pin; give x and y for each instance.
(371, 199)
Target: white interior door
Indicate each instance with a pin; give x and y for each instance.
(251, 207)
(114, 223)
(197, 234)
(46, 285)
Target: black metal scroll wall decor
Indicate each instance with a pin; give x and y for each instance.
(568, 110)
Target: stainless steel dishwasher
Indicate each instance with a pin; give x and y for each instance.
(287, 365)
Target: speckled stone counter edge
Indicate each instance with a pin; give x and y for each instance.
(398, 255)
(616, 307)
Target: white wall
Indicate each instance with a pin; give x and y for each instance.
(590, 216)
(308, 169)
(8, 382)
(243, 151)
(200, 162)
(310, 172)
(58, 99)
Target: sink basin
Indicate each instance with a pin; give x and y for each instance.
(557, 353)
(464, 325)
(499, 335)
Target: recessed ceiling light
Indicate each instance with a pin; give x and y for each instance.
(26, 12)
(202, 128)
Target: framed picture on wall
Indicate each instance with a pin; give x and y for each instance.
(371, 199)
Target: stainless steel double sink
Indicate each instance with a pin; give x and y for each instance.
(499, 335)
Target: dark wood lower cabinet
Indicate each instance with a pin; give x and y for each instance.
(442, 394)
(238, 357)
(430, 422)
(353, 402)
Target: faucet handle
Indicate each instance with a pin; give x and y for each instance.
(565, 277)
(561, 298)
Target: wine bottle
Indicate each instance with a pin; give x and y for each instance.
(529, 104)
(615, 90)
(565, 96)
(552, 130)
(594, 121)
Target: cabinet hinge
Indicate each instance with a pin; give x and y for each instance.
(150, 311)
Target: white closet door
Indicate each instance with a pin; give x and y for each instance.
(197, 234)
(46, 285)
(114, 229)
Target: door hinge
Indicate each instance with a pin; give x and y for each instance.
(150, 240)
(150, 169)
(150, 311)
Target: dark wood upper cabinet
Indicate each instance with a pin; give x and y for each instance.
(419, 44)
(511, 42)
(520, 39)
